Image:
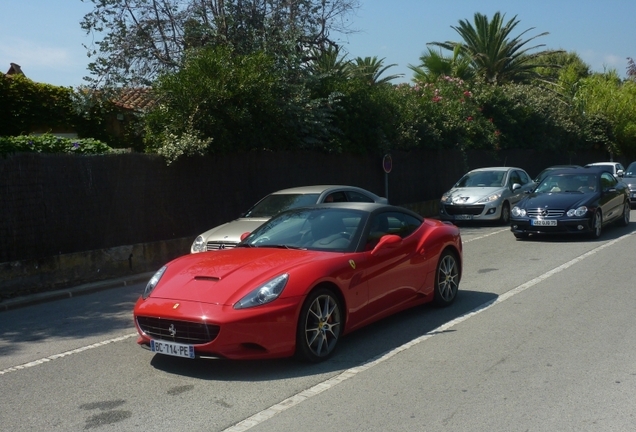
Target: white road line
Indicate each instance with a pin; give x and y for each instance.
(270, 412)
(484, 236)
(65, 354)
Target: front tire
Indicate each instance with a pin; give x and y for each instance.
(447, 277)
(521, 236)
(626, 211)
(319, 326)
(597, 225)
(505, 214)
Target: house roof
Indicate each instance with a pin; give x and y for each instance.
(15, 69)
(136, 99)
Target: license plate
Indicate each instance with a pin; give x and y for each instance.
(541, 222)
(463, 217)
(172, 349)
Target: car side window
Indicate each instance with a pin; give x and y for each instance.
(608, 181)
(400, 224)
(525, 178)
(354, 196)
(515, 178)
(336, 197)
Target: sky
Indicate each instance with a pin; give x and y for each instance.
(44, 36)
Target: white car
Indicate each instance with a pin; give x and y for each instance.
(228, 235)
(485, 194)
(615, 167)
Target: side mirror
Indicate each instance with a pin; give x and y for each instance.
(388, 241)
(620, 173)
(244, 235)
(515, 186)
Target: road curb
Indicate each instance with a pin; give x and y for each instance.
(79, 290)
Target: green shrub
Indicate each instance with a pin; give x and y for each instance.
(48, 143)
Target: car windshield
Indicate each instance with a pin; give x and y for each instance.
(568, 183)
(276, 203)
(316, 229)
(631, 170)
(482, 179)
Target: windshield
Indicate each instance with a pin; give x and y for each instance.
(482, 179)
(568, 183)
(631, 170)
(276, 203)
(316, 229)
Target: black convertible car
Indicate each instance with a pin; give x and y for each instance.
(572, 201)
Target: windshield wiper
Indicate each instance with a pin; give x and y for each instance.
(283, 246)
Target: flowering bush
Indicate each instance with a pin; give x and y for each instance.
(48, 143)
(187, 143)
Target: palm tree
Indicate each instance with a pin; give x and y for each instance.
(493, 54)
(328, 62)
(434, 65)
(371, 69)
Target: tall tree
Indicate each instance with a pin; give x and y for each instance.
(631, 69)
(141, 39)
(494, 54)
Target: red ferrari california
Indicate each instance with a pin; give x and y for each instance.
(300, 282)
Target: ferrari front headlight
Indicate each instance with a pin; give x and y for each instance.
(264, 294)
(152, 283)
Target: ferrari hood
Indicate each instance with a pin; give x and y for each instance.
(554, 200)
(231, 231)
(470, 195)
(223, 277)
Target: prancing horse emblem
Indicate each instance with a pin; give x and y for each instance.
(173, 330)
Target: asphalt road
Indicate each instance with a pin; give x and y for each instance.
(541, 338)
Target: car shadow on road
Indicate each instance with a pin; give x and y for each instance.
(353, 350)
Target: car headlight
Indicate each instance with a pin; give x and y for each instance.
(265, 293)
(518, 212)
(490, 198)
(198, 245)
(579, 212)
(446, 197)
(152, 283)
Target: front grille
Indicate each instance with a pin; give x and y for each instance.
(186, 332)
(551, 213)
(464, 209)
(216, 245)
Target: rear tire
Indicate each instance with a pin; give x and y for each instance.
(447, 277)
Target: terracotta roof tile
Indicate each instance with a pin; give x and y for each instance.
(137, 99)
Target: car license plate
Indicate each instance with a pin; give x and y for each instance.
(172, 348)
(542, 222)
(463, 217)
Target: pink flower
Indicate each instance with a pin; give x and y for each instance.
(468, 94)
(436, 98)
(469, 118)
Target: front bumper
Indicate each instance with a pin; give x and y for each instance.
(484, 212)
(563, 226)
(267, 331)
